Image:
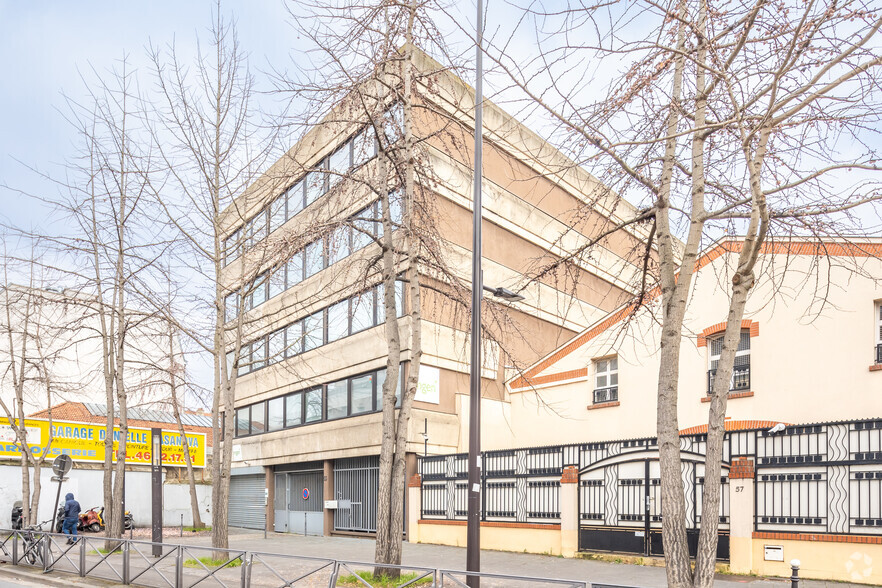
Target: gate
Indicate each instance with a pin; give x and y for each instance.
(305, 503)
(356, 484)
(620, 498)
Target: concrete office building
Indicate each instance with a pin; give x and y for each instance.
(308, 425)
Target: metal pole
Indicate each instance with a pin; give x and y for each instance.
(473, 529)
(156, 486)
(55, 512)
(794, 578)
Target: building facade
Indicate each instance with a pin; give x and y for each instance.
(308, 426)
(802, 454)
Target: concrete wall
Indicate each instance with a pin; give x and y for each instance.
(87, 485)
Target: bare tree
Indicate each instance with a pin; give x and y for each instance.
(30, 345)
(204, 125)
(725, 119)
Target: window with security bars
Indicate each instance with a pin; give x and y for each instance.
(879, 332)
(606, 380)
(740, 380)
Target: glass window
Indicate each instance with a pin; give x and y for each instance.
(338, 245)
(381, 301)
(363, 228)
(258, 354)
(231, 306)
(275, 418)
(293, 409)
(740, 379)
(258, 293)
(295, 199)
(276, 351)
(315, 183)
(294, 339)
(337, 400)
(244, 359)
(243, 421)
(362, 394)
(381, 379)
(313, 405)
(294, 270)
(606, 373)
(277, 213)
(338, 164)
(338, 321)
(363, 311)
(276, 282)
(314, 261)
(232, 245)
(313, 331)
(363, 146)
(258, 418)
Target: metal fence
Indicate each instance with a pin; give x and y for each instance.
(142, 563)
(824, 477)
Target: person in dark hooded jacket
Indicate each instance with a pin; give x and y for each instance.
(71, 517)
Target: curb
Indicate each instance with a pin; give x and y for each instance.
(9, 571)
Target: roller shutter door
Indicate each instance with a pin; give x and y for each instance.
(246, 508)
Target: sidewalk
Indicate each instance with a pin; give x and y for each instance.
(353, 549)
(453, 558)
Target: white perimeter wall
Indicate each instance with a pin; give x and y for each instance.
(87, 485)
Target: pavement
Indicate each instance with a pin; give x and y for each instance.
(293, 549)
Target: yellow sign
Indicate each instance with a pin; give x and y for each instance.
(85, 442)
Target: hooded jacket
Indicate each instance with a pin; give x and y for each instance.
(71, 508)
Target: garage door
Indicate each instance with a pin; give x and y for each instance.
(247, 495)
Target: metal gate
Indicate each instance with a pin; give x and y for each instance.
(305, 502)
(620, 504)
(356, 483)
(247, 501)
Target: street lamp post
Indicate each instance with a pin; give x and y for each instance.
(473, 528)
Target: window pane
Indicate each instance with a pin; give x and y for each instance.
(362, 394)
(258, 354)
(337, 401)
(381, 378)
(601, 366)
(339, 164)
(244, 359)
(338, 321)
(614, 379)
(276, 347)
(258, 293)
(231, 304)
(363, 311)
(275, 418)
(399, 297)
(258, 418)
(744, 341)
(314, 405)
(277, 213)
(294, 339)
(716, 346)
(315, 184)
(293, 409)
(395, 208)
(243, 425)
(363, 229)
(363, 147)
(338, 245)
(276, 282)
(295, 199)
(601, 380)
(614, 364)
(313, 331)
(314, 258)
(294, 270)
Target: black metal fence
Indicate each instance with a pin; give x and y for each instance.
(824, 477)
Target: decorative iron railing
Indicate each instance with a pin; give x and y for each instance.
(740, 381)
(609, 394)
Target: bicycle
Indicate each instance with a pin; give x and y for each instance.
(33, 554)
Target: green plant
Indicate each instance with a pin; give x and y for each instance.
(212, 563)
(382, 581)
